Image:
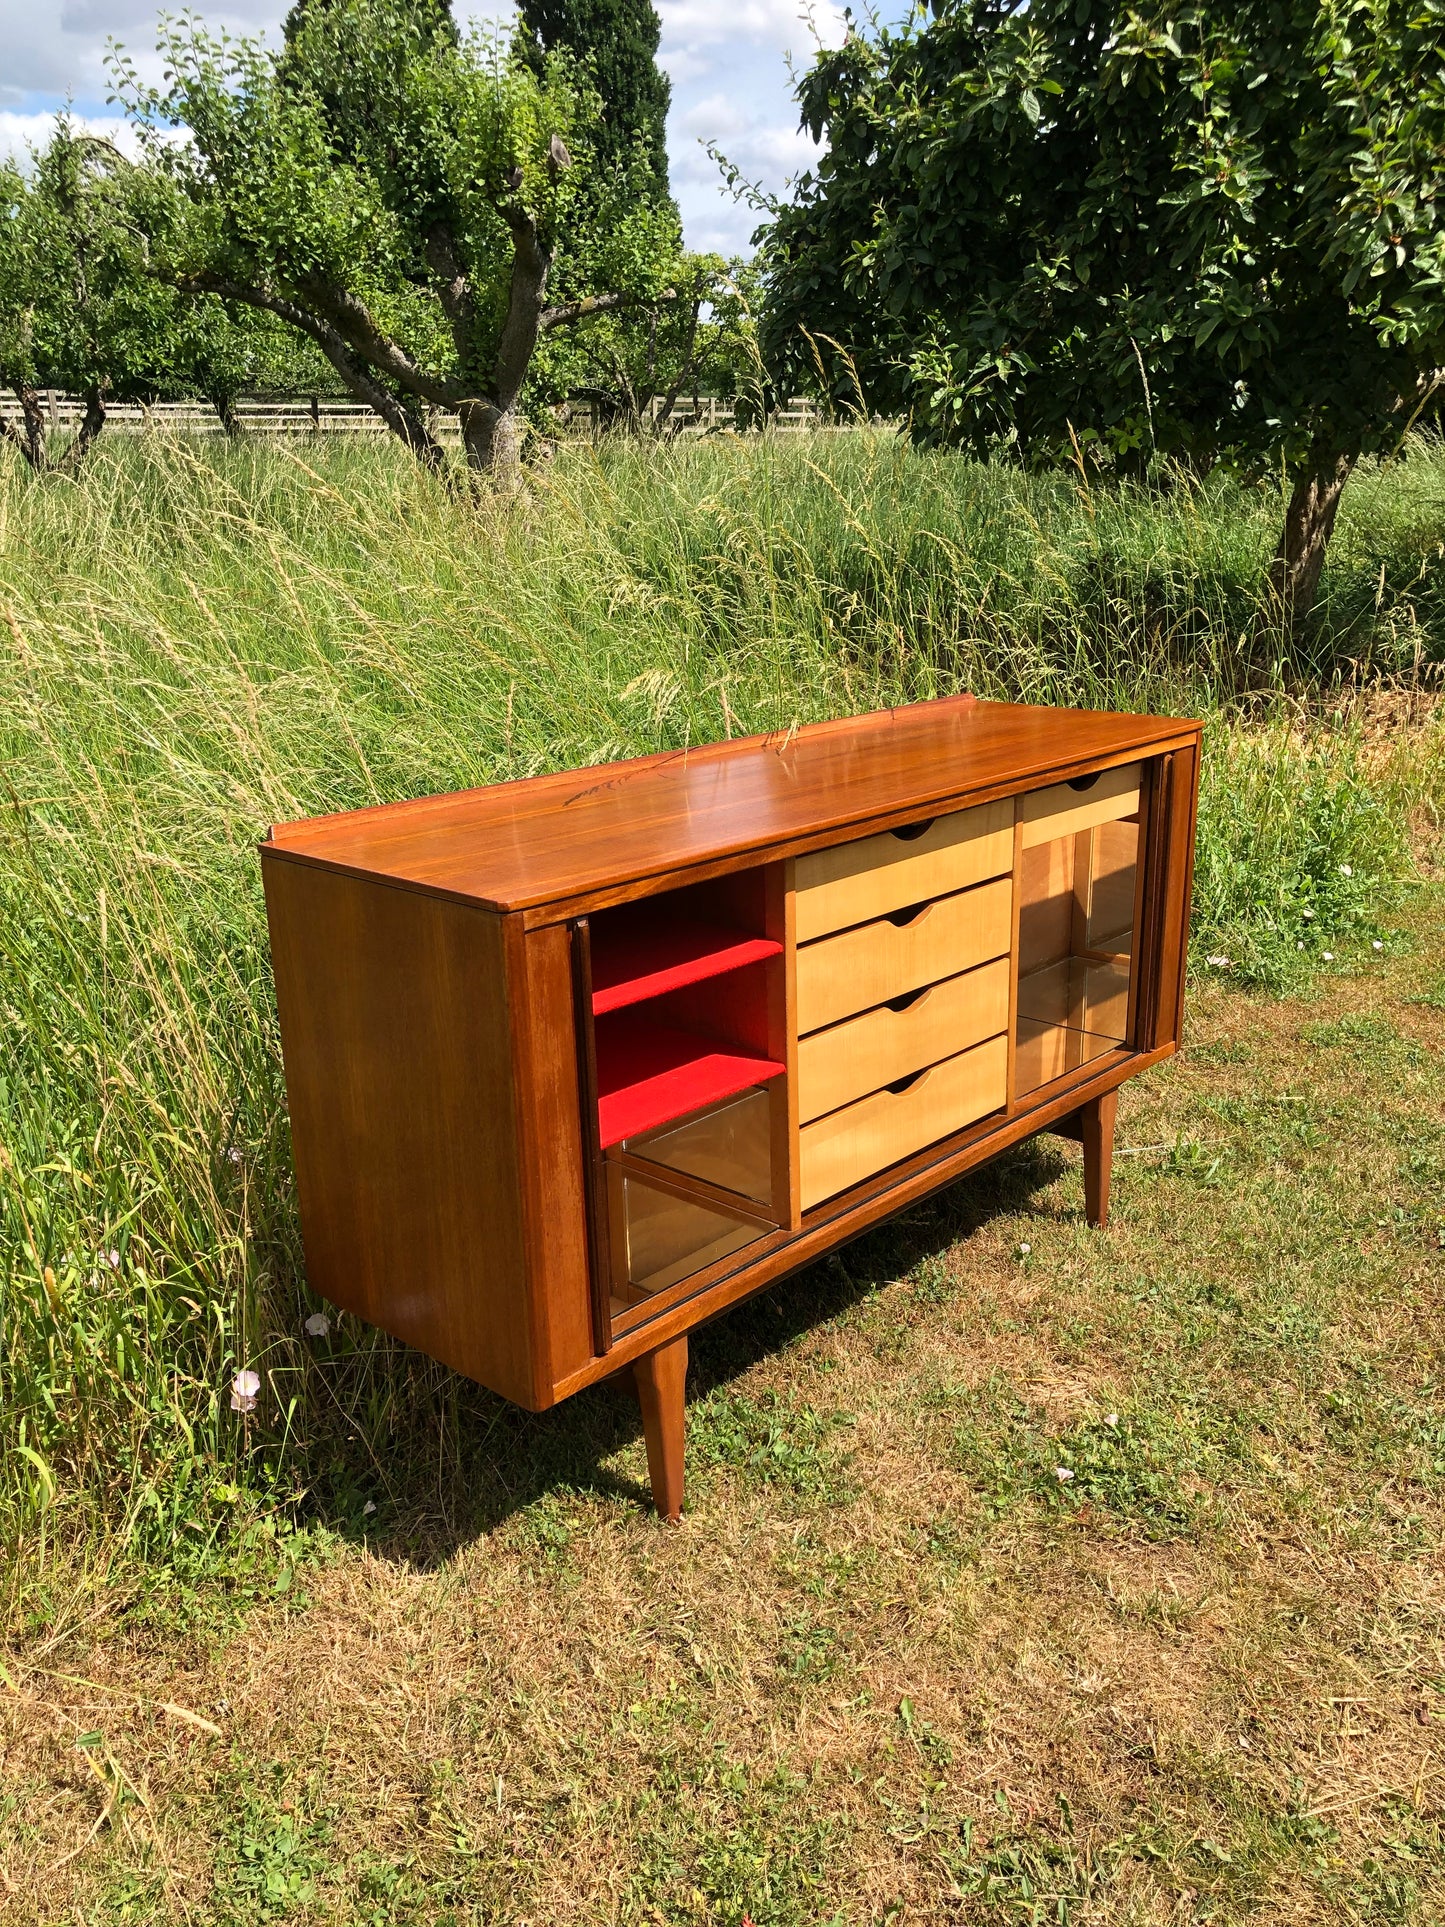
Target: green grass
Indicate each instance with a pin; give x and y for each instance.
(199, 641)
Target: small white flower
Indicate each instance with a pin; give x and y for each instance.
(368, 1508)
(1062, 1474)
(1218, 963)
(317, 1325)
(111, 1258)
(233, 1156)
(1112, 1418)
(1375, 944)
(1328, 955)
(1307, 914)
(1024, 1250)
(1299, 946)
(1345, 870)
(244, 1387)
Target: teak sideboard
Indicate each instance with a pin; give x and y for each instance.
(576, 1062)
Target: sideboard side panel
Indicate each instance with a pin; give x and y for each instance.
(396, 1033)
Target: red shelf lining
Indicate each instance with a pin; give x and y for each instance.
(640, 955)
(650, 1073)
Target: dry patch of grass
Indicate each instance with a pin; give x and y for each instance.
(895, 1666)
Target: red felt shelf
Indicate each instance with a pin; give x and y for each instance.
(639, 955)
(649, 1073)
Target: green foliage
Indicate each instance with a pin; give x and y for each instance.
(434, 17)
(617, 39)
(79, 309)
(693, 335)
(1215, 233)
(692, 330)
(1297, 858)
(82, 309)
(274, 1858)
(394, 193)
(789, 1447)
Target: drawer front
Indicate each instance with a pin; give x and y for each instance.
(852, 1144)
(865, 1053)
(1064, 811)
(839, 976)
(852, 882)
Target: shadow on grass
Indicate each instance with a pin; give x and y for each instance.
(455, 1462)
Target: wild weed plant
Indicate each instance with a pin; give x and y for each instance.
(203, 640)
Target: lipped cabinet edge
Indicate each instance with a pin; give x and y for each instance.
(481, 1221)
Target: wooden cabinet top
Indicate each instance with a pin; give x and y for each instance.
(549, 839)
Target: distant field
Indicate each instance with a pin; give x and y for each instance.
(457, 1671)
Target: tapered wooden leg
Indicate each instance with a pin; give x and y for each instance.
(1096, 1119)
(661, 1379)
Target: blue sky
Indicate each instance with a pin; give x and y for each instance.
(728, 60)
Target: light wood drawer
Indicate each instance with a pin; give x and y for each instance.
(838, 976)
(849, 1145)
(1063, 810)
(865, 1053)
(852, 882)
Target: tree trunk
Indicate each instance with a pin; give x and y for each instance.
(91, 423)
(1294, 574)
(492, 438)
(225, 407)
(31, 442)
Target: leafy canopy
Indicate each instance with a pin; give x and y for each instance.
(617, 40)
(78, 308)
(395, 192)
(1214, 231)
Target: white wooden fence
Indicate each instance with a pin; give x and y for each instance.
(310, 415)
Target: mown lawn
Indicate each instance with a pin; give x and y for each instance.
(892, 1667)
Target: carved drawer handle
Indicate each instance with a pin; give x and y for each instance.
(902, 1084)
(909, 998)
(914, 913)
(912, 831)
(1085, 782)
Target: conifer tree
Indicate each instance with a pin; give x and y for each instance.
(618, 40)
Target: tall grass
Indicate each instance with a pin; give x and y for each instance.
(201, 641)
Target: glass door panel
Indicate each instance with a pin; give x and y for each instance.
(1077, 898)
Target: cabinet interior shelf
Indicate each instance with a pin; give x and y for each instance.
(645, 954)
(649, 1073)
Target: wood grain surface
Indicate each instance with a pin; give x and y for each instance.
(848, 1146)
(863, 1054)
(850, 882)
(549, 840)
(877, 961)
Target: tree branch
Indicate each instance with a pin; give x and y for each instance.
(567, 312)
(531, 264)
(453, 289)
(32, 443)
(10, 433)
(356, 325)
(684, 373)
(329, 340)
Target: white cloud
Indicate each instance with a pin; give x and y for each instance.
(783, 24)
(59, 50)
(23, 134)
